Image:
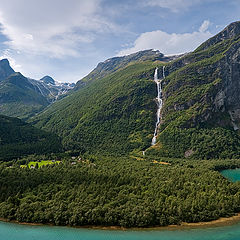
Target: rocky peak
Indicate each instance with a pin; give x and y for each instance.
(5, 69)
(47, 79)
(231, 31)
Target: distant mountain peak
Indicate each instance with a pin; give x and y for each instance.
(4, 61)
(23, 97)
(5, 69)
(47, 79)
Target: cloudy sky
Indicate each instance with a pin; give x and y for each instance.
(67, 38)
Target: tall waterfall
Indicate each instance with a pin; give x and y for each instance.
(159, 101)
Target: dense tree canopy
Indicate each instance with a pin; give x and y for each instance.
(123, 192)
(18, 138)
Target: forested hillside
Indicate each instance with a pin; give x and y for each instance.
(115, 114)
(18, 138)
(107, 173)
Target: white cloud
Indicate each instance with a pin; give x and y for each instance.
(169, 44)
(179, 5)
(173, 5)
(204, 26)
(56, 28)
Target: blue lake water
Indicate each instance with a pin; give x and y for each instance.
(11, 231)
(232, 174)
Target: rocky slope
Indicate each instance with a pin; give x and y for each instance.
(51, 89)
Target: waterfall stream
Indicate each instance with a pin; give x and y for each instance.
(159, 101)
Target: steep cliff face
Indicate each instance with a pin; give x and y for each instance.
(202, 99)
(218, 64)
(228, 97)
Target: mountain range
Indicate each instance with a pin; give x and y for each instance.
(113, 109)
(23, 97)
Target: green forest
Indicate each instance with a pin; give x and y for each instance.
(18, 138)
(117, 191)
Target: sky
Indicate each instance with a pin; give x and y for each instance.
(66, 39)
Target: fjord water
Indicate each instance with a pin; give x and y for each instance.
(11, 231)
(232, 174)
(159, 102)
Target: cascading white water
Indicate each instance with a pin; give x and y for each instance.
(159, 102)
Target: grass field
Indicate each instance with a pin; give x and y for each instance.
(40, 164)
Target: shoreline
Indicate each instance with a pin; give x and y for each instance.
(221, 222)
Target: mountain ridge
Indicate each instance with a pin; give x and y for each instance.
(113, 64)
(230, 31)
